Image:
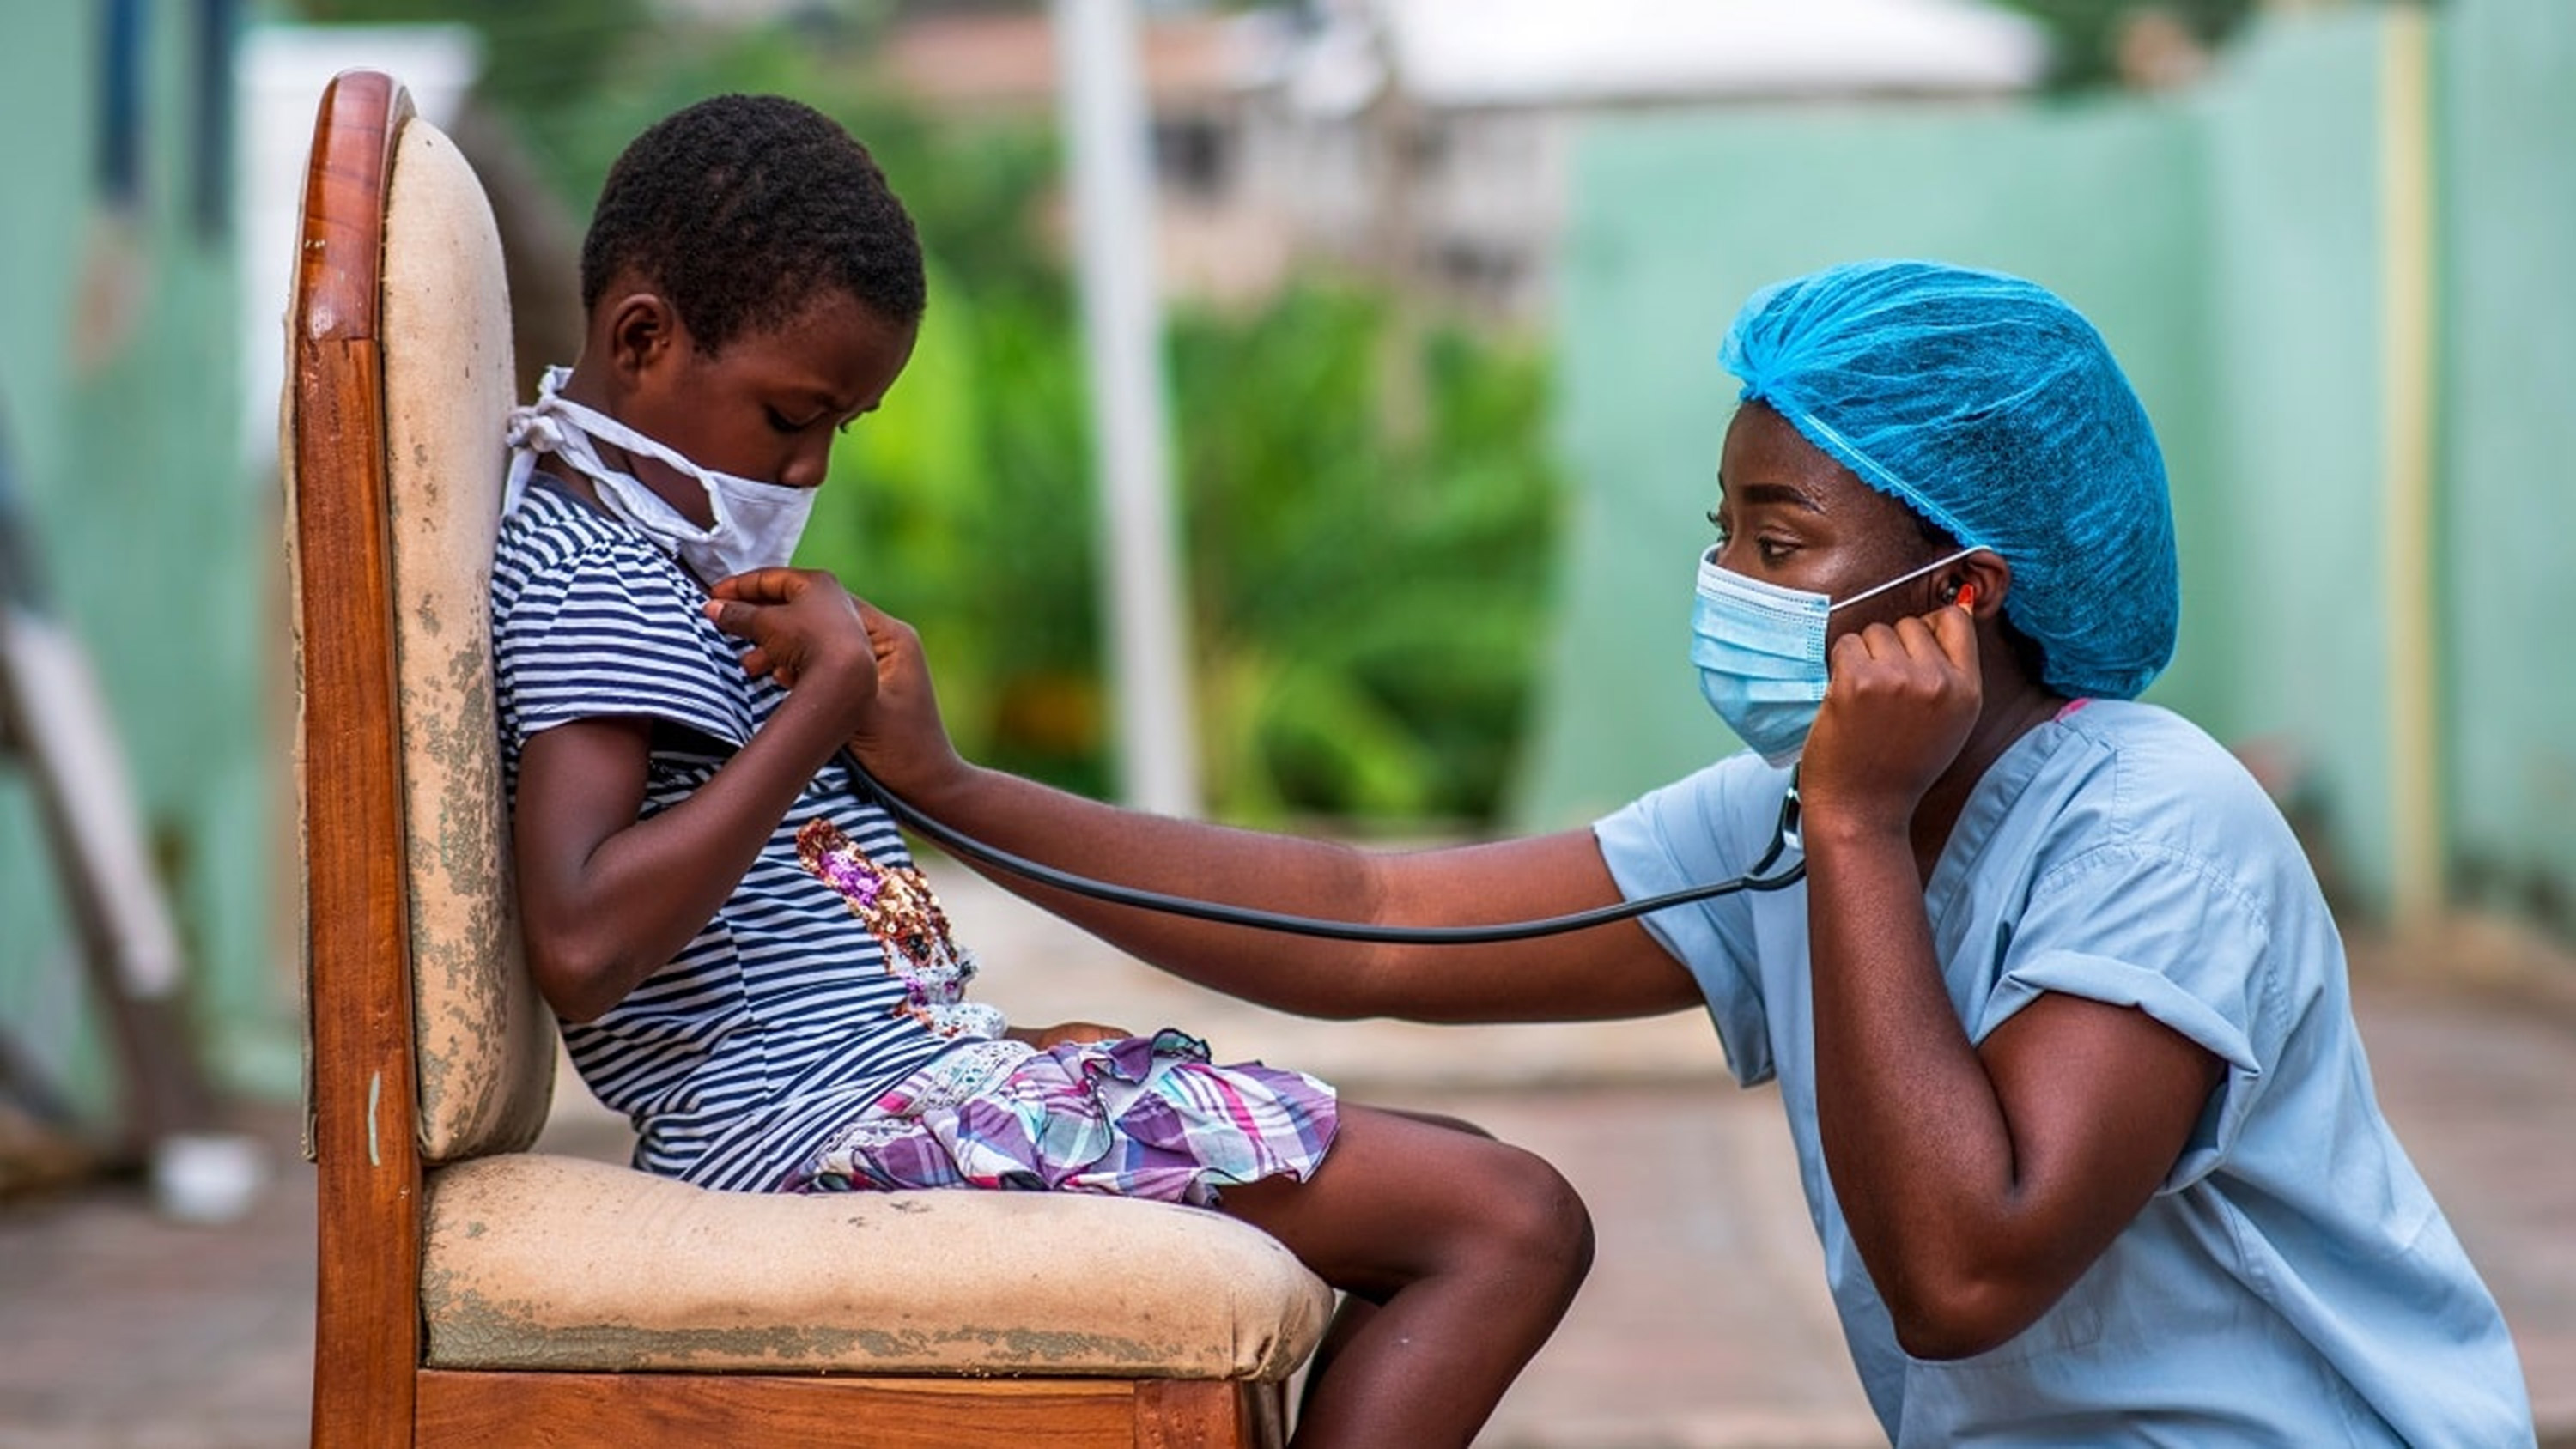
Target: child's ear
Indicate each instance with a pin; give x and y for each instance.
(643, 331)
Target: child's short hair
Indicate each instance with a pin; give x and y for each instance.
(739, 209)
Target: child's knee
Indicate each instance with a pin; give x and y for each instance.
(1534, 1216)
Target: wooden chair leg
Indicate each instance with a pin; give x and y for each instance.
(1201, 1414)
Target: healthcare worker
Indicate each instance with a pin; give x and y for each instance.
(2058, 1013)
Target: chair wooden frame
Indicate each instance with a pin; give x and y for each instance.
(371, 1385)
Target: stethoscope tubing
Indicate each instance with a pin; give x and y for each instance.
(1784, 836)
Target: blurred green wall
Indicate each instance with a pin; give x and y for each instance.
(2287, 585)
(2381, 638)
(119, 378)
(2506, 74)
(1677, 218)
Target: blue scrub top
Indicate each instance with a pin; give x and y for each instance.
(2292, 1282)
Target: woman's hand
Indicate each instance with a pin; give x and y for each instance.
(1899, 703)
(1043, 1037)
(901, 739)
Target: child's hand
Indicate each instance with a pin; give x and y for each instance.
(1043, 1037)
(1899, 703)
(803, 627)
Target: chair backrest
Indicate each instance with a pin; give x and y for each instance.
(484, 1041)
(394, 472)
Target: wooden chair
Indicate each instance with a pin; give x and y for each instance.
(472, 1292)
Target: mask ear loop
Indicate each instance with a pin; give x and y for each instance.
(1907, 577)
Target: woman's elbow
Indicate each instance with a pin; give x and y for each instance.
(1940, 1341)
(1962, 1319)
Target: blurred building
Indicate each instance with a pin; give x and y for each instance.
(1426, 139)
(1430, 136)
(1201, 74)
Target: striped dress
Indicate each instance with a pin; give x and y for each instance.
(780, 1022)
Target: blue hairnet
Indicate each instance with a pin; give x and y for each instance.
(1992, 408)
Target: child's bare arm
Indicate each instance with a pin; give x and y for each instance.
(605, 898)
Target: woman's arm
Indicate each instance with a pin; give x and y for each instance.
(1610, 971)
(605, 898)
(1979, 1181)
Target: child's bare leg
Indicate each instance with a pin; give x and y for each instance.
(1353, 1313)
(1469, 1248)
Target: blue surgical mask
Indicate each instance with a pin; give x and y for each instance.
(1760, 649)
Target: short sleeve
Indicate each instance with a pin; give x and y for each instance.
(609, 630)
(2137, 926)
(1708, 827)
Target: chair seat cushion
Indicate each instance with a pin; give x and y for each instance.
(542, 1262)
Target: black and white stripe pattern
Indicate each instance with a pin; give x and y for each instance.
(780, 1020)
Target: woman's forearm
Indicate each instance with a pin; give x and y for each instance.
(1187, 858)
(1606, 972)
(1915, 1139)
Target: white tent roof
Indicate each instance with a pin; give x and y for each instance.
(1549, 52)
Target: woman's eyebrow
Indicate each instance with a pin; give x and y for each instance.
(1747, 495)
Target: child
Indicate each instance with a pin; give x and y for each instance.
(744, 959)
(2058, 1013)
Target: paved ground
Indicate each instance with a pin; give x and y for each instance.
(1704, 1324)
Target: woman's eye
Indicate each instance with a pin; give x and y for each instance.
(778, 422)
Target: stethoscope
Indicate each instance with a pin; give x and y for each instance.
(1784, 838)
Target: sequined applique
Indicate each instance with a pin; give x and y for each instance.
(901, 912)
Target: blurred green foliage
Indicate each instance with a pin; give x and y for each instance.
(1367, 601)
(1369, 607)
(1365, 614)
(2084, 35)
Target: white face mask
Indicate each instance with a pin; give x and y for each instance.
(756, 524)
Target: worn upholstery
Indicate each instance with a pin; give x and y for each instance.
(541, 1262)
(550, 1262)
(485, 1041)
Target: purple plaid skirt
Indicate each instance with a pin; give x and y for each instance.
(1136, 1116)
